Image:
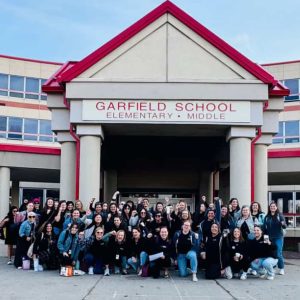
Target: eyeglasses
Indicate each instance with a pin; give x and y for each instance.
(99, 232)
(31, 217)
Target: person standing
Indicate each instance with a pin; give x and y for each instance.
(274, 226)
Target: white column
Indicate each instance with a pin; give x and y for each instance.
(4, 191)
(68, 171)
(240, 169)
(261, 175)
(89, 178)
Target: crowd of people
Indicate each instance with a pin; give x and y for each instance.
(117, 237)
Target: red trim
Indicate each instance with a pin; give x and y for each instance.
(281, 63)
(29, 149)
(23, 105)
(167, 7)
(31, 60)
(292, 108)
(281, 153)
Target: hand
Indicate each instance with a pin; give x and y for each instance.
(65, 254)
(149, 235)
(88, 213)
(163, 257)
(28, 239)
(81, 235)
(113, 232)
(108, 217)
(203, 198)
(133, 259)
(175, 262)
(236, 258)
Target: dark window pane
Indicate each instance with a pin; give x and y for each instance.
(277, 141)
(298, 203)
(15, 124)
(46, 138)
(16, 83)
(14, 136)
(3, 81)
(280, 129)
(17, 95)
(45, 127)
(30, 137)
(3, 93)
(30, 126)
(292, 128)
(292, 140)
(293, 85)
(3, 123)
(32, 85)
(31, 96)
(284, 201)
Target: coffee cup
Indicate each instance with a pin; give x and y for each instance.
(266, 238)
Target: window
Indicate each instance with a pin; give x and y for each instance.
(32, 88)
(288, 202)
(16, 86)
(30, 129)
(3, 84)
(45, 131)
(15, 126)
(293, 85)
(3, 122)
(289, 132)
(43, 96)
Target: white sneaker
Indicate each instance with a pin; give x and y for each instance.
(78, 273)
(9, 262)
(194, 277)
(40, 268)
(140, 272)
(252, 272)
(263, 274)
(243, 276)
(91, 271)
(281, 272)
(228, 273)
(106, 272)
(270, 277)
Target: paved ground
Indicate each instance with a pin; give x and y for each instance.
(19, 284)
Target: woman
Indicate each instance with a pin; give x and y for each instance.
(96, 251)
(11, 232)
(119, 251)
(215, 253)
(79, 206)
(126, 214)
(47, 214)
(227, 222)
(45, 250)
(142, 221)
(70, 208)
(246, 223)
(257, 213)
(198, 217)
(26, 237)
(75, 218)
(234, 209)
(238, 255)
(186, 244)
(97, 221)
(161, 244)
(69, 248)
(59, 218)
(274, 225)
(113, 211)
(138, 251)
(262, 254)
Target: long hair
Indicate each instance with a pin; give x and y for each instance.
(259, 208)
(276, 212)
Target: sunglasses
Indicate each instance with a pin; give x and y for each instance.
(99, 232)
(31, 217)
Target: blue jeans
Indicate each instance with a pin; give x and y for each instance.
(279, 244)
(264, 263)
(140, 261)
(182, 262)
(92, 261)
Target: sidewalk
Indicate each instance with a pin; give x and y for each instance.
(19, 284)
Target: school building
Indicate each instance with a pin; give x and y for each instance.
(164, 109)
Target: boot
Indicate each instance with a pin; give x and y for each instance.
(36, 265)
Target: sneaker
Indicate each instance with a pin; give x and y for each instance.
(236, 275)
(263, 274)
(281, 272)
(124, 272)
(140, 272)
(91, 271)
(270, 277)
(40, 268)
(106, 272)
(20, 268)
(243, 276)
(117, 270)
(194, 277)
(78, 273)
(9, 262)
(252, 272)
(228, 273)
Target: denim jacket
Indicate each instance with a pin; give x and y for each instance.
(65, 244)
(25, 229)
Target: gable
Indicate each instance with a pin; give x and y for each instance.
(166, 51)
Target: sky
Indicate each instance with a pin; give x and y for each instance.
(61, 30)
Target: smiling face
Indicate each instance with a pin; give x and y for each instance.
(214, 229)
(234, 204)
(50, 203)
(49, 228)
(120, 236)
(163, 233)
(224, 211)
(246, 212)
(136, 234)
(257, 232)
(75, 214)
(236, 233)
(273, 208)
(255, 207)
(98, 219)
